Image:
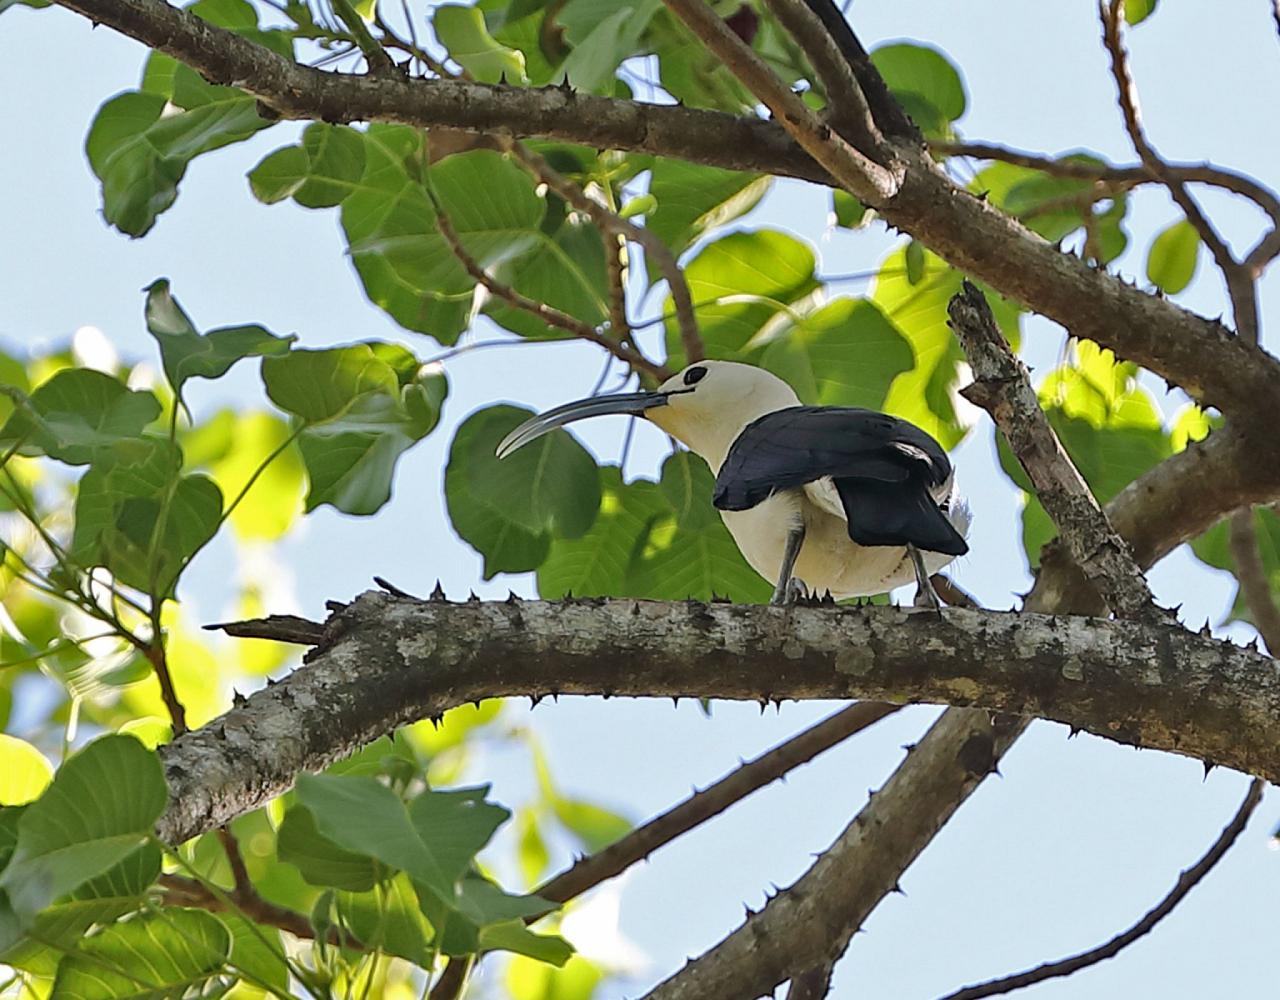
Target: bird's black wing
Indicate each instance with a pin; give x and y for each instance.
(883, 469)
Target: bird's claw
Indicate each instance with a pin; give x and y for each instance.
(794, 592)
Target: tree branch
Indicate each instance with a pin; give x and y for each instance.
(1252, 577)
(389, 661)
(1190, 351)
(1002, 387)
(1187, 881)
(1240, 283)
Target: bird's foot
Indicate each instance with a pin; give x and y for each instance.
(793, 592)
(926, 596)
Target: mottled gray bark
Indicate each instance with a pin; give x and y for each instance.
(387, 661)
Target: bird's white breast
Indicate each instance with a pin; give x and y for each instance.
(829, 559)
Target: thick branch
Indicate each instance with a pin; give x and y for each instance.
(1002, 387)
(1195, 353)
(1187, 881)
(391, 660)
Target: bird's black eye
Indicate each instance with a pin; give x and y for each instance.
(694, 374)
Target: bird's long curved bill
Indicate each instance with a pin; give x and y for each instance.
(633, 403)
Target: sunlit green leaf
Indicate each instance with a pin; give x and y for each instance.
(461, 30)
(693, 200)
(849, 211)
(24, 771)
(101, 807)
(1171, 262)
(156, 955)
(1137, 11)
(845, 353)
(738, 284)
(603, 35)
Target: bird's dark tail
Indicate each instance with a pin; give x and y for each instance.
(887, 514)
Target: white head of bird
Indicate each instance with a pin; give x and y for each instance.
(856, 502)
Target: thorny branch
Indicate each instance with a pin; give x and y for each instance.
(1187, 881)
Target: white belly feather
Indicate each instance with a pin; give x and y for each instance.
(829, 559)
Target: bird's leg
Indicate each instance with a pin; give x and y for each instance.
(926, 596)
(782, 593)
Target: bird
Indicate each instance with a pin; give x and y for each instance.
(836, 499)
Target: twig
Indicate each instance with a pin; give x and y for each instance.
(1252, 577)
(1126, 176)
(374, 54)
(615, 262)
(611, 222)
(1002, 387)
(189, 892)
(868, 181)
(713, 800)
(242, 885)
(1186, 882)
(1240, 282)
(548, 314)
(847, 108)
(154, 651)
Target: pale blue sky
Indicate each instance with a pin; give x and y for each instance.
(1075, 841)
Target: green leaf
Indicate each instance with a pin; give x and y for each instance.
(434, 840)
(362, 815)
(120, 890)
(567, 273)
(274, 502)
(694, 200)
(514, 936)
(156, 955)
(187, 353)
(675, 564)
(75, 412)
(738, 284)
(594, 826)
(322, 385)
(258, 951)
(407, 267)
(319, 173)
(1137, 11)
(133, 547)
(926, 83)
(845, 353)
(612, 36)
(1171, 262)
(687, 484)
(457, 824)
(319, 859)
(24, 771)
(598, 563)
(507, 509)
(462, 31)
(101, 807)
(393, 918)
(351, 460)
(140, 144)
(849, 211)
